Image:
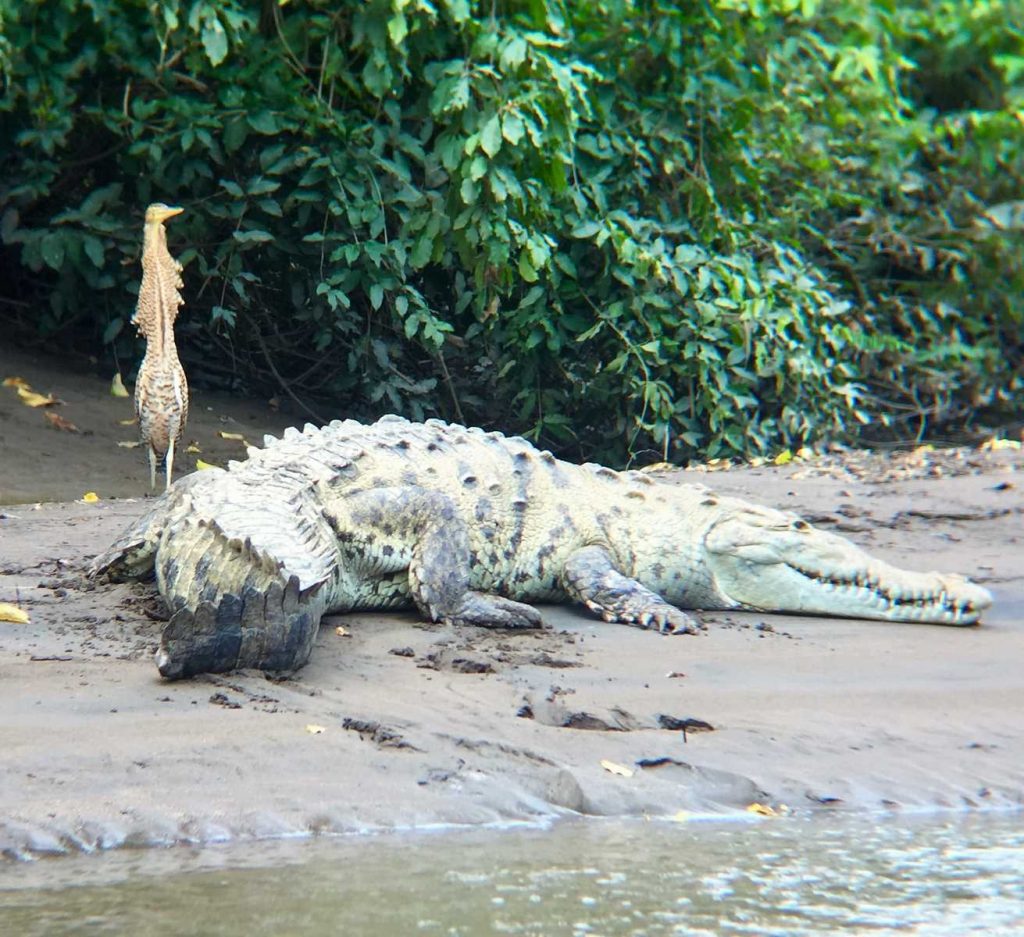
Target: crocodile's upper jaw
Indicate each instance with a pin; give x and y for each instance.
(769, 560)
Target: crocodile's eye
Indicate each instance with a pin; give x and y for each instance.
(801, 525)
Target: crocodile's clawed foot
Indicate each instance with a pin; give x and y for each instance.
(493, 611)
(659, 616)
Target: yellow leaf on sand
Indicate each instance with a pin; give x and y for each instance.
(342, 632)
(15, 382)
(193, 447)
(129, 443)
(117, 387)
(783, 458)
(615, 768)
(237, 437)
(90, 497)
(313, 729)
(130, 422)
(200, 464)
(762, 810)
(31, 399)
(10, 612)
(995, 445)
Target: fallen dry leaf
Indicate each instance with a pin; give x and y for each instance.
(15, 382)
(117, 387)
(615, 768)
(90, 497)
(31, 399)
(783, 458)
(10, 612)
(58, 422)
(234, 436)
(193, 447)
(130, 422)
(314, 729)
(201, 465)
(342, 632)
(995, 445)
(129, 443)
(762, 810)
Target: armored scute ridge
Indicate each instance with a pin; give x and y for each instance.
(468, 526)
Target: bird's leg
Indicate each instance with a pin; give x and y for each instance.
(152, 468)
(169, 461)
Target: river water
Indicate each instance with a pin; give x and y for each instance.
(940, 875)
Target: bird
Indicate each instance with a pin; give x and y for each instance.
(161, 391)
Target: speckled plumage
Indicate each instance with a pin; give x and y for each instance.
(467, 526)
(161, 391)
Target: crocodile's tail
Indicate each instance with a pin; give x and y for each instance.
(269, 628)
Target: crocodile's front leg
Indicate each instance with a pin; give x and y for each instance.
(391, 529)
(590, 577)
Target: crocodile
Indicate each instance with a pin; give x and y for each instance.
(470, 527)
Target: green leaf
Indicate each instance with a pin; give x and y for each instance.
(52, 250)
(421, 252)
(376, 295)
(93, 248)
(459, 10)
(514, 54)
(526, 270)
(586, 230)
(477, 168)
(490, 136)
(215, 40)
(265, 122)
(512, 127)
(398, 28)
(112, 330)
(246, 237)
(271, 207)
(469, 191)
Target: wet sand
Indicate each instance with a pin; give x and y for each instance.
(396, 723)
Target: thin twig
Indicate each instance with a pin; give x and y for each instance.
(284, 384)
(451, 387)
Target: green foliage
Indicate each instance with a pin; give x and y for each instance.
(618, 228)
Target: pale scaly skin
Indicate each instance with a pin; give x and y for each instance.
(161, 392)
(467, 526)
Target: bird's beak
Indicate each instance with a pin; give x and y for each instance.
(169, 212)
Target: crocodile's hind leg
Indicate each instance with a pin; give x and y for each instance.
(590, 577)
(391, 529)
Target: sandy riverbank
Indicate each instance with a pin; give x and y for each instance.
(425, 725)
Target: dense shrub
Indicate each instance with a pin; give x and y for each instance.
(619, 228)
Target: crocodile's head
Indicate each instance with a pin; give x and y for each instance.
(774, 561)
